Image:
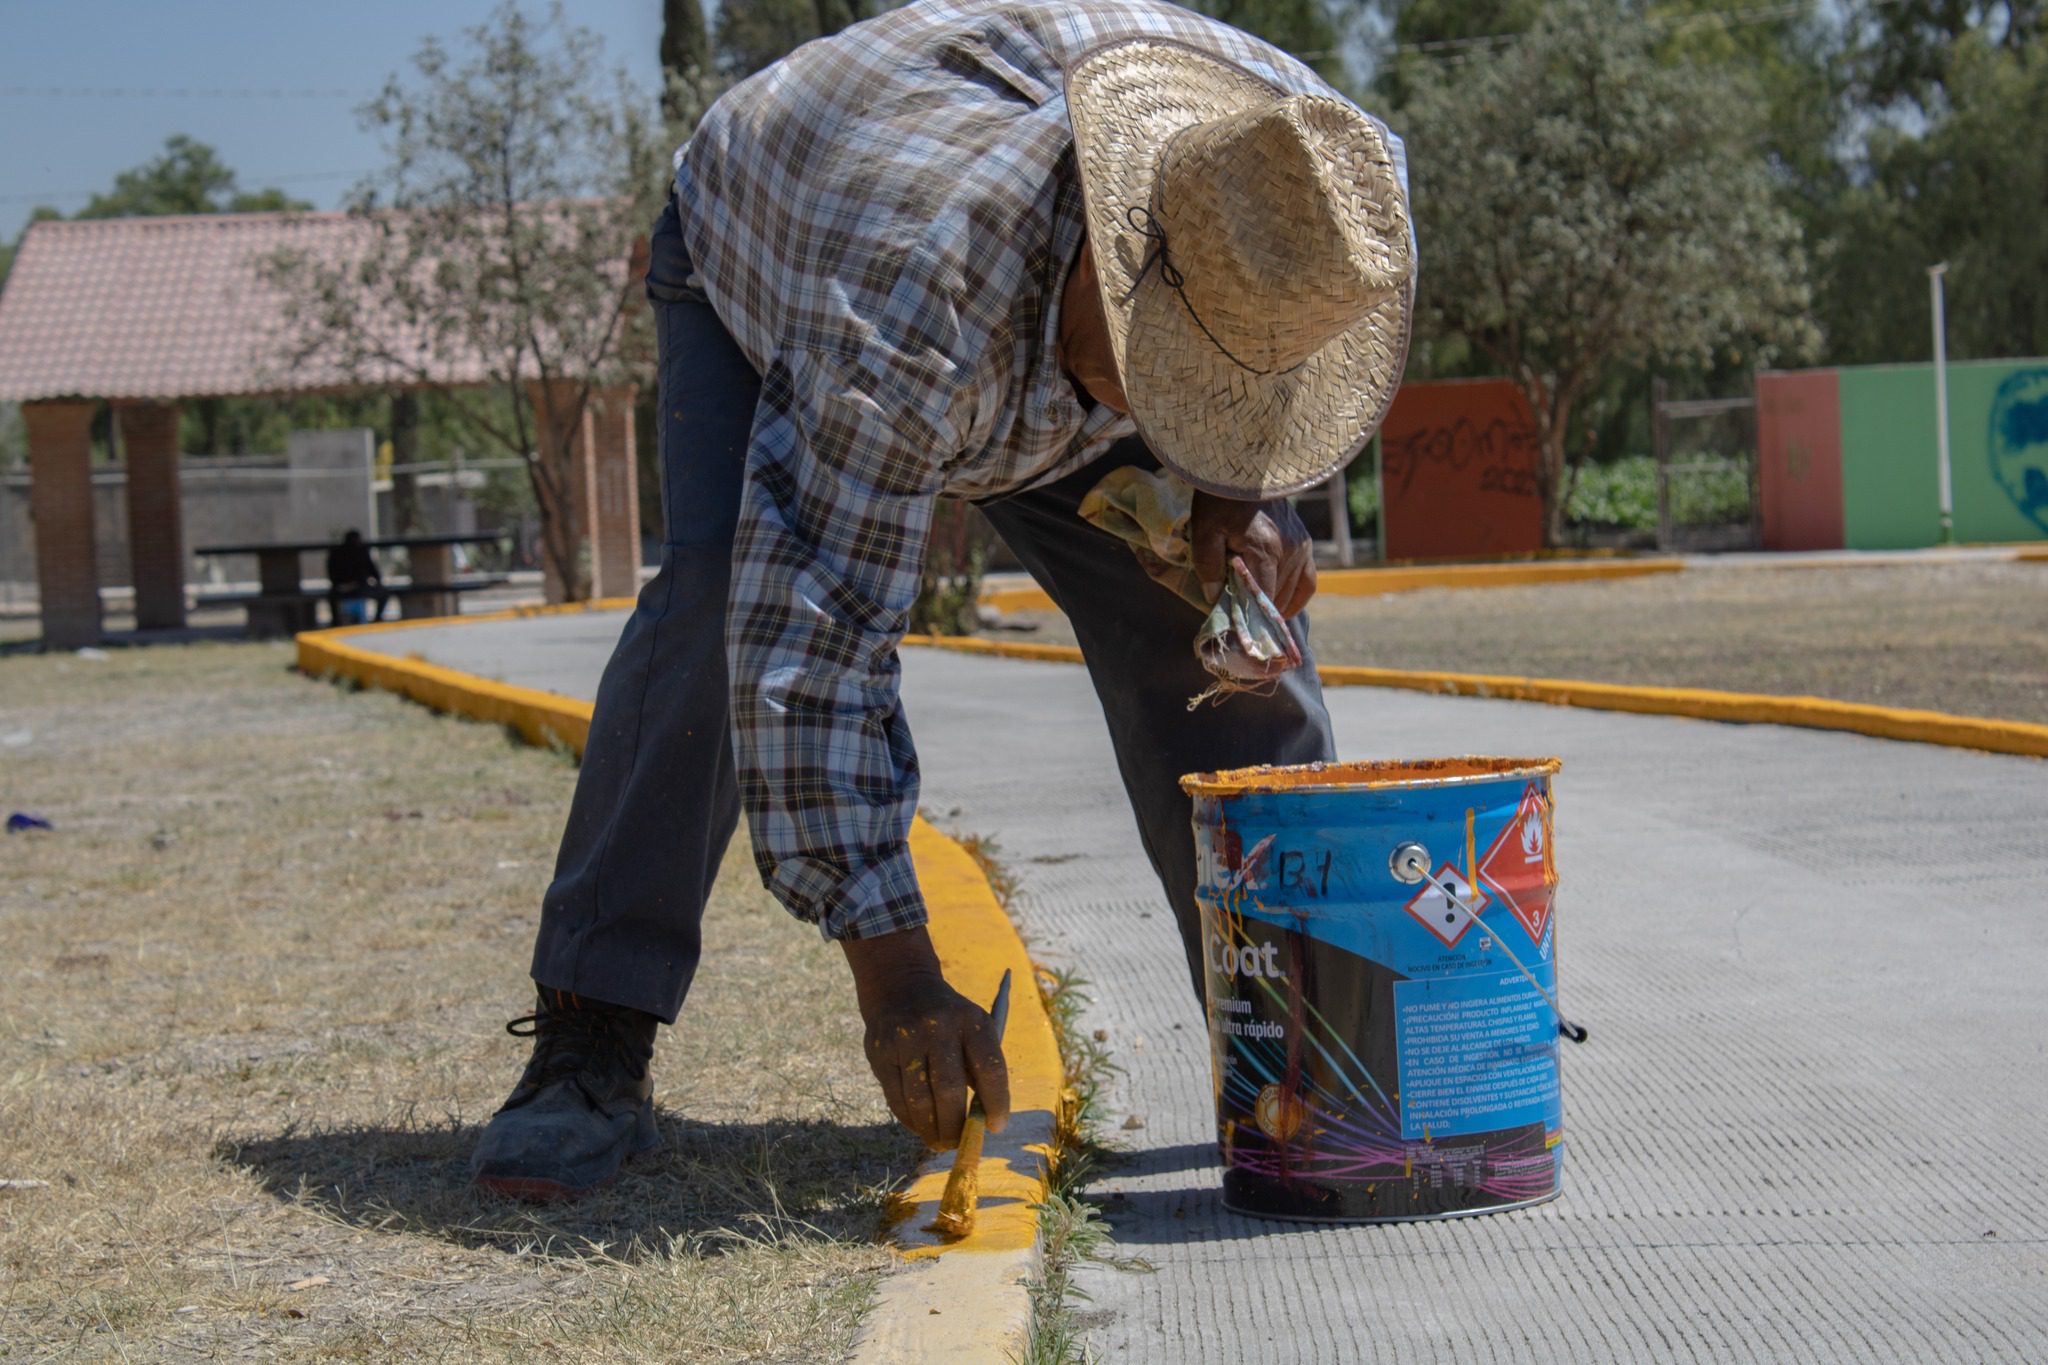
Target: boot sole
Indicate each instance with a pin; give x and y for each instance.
(534, 1189)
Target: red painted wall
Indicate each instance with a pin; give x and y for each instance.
(1799, 440)
(1458, 464)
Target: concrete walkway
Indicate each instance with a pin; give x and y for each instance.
(1811, 1123)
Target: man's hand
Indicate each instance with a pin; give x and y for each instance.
(926, 1042)
(1270, 537)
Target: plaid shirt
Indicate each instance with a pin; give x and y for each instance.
(884, 221)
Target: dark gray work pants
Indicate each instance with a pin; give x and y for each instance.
(657, 800)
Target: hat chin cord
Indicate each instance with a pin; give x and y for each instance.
(1147, 226)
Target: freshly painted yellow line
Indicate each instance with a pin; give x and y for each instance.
(544, 718)
(1002, 649)
(975, 940)
(977, 944)
(1409, 578)
(1742, 708)
(1017, 599)
(1375, 582)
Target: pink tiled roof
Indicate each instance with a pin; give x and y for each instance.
(165, 308)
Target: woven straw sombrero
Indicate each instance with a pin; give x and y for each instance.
(1255, 259)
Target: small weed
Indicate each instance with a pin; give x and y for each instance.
(1071, 1229)
(987, 855)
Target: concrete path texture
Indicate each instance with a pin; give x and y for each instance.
(1812, 1122)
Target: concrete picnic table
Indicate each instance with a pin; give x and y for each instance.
(282, 600)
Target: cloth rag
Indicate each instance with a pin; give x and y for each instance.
(1244, 642)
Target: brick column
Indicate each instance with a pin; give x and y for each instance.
(610, 488)
(579, 491)
(156, 523)
(60, 503)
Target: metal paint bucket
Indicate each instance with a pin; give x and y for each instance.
(1381, 1052)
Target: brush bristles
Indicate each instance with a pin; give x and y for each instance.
(963, 1187)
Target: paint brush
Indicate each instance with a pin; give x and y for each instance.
(963, 1187)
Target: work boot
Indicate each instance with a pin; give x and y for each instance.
(583, 1107)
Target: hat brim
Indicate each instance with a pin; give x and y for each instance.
(1219, 425)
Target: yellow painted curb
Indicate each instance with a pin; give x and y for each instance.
(1741, 708)
(977, 944)
(970, 1300)
(982, 1282)
(544, 718)
(1376, 582)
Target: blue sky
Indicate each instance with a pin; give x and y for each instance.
(59, 149)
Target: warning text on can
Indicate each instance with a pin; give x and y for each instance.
(1478, 1053)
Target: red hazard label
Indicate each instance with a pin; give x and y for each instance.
(1516, 867)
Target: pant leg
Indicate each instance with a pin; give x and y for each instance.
(1138, 638)
(657, 800)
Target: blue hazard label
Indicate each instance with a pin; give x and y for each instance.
(1477, 1053)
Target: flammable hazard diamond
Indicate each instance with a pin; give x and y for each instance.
(1517, 866)
(1447, 920)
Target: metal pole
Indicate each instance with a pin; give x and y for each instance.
(1379, 492)
(1948, 502)
(1340, 517)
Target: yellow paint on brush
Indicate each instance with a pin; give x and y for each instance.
(963, 1184)
(976, 944)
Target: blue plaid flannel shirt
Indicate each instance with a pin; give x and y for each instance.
(884, 221)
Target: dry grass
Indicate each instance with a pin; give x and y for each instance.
(254, 990)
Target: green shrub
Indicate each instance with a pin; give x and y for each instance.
(1624, 494)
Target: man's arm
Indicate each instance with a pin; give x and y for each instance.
(835, 512)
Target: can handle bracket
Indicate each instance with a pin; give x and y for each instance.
(1409, 862)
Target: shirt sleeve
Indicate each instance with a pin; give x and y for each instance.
(835, 512)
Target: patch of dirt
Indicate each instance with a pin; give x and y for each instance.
(1967, 638)
(255, 984)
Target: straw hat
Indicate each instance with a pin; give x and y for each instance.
(1255, 259)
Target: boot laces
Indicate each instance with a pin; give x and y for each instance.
(572, 1036)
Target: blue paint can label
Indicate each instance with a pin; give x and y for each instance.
(1378, 1052)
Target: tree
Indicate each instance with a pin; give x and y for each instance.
(1907, 48)
(497, 245)
(188, 176)
(1306, 28)
(1969, 190)
(752, 34)
(1583, 205)
(686, 65)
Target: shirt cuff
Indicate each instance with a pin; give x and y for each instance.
(878, 898)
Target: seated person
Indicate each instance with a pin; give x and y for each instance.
(353, 578)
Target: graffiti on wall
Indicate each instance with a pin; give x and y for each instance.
(1504, 452)
(1458, 468)
(2018, 442)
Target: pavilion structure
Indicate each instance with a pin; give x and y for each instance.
(146, 313)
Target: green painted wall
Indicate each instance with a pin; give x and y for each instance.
(1890, 489)
(1890, 484)
(1985, 511)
